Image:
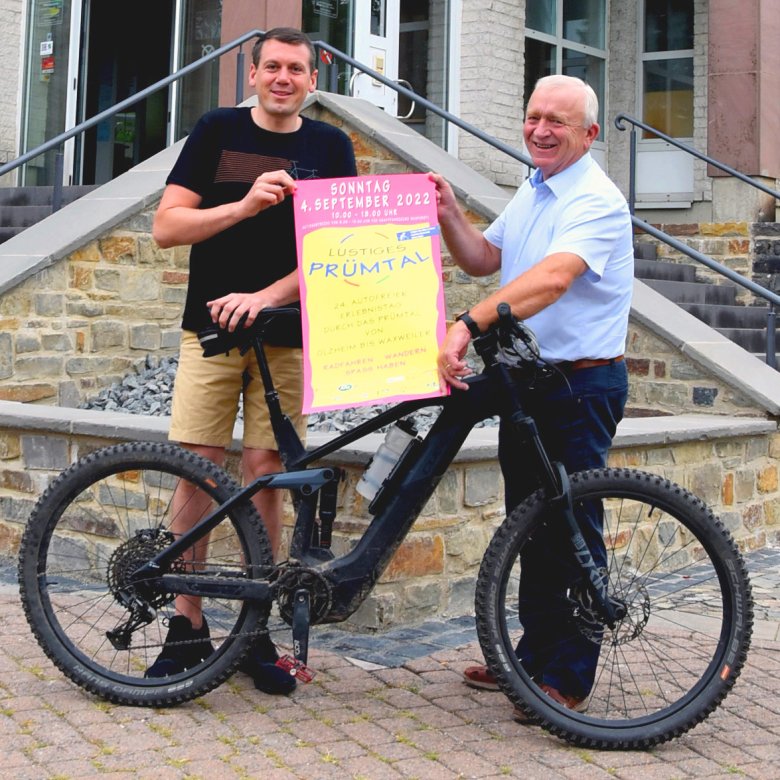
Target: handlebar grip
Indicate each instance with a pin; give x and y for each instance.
(504, 313)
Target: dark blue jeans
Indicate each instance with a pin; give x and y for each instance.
(577, 423)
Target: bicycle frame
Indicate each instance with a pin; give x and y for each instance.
(398, 503)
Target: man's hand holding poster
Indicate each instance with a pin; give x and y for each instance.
(369, 265)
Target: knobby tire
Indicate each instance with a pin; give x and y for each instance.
(100, 520)
(670, 662)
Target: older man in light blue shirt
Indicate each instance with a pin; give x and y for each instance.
(564, 247)
(582, 212)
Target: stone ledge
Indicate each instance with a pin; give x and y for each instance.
(480, 444)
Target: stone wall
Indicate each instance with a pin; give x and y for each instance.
(663, 381)
(92, 317)
(434, 570)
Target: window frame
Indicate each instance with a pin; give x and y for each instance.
(559, 43)
(665, 176)
(656, 56)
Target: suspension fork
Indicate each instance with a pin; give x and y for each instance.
(557, 488)
(611, 611)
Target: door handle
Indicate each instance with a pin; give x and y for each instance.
(405, 83)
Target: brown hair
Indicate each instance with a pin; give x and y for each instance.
(284, 35)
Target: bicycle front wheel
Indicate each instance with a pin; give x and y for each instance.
(96, 524)
(675, 572)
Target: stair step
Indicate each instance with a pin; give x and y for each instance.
(23, 216)
(40, 196)
(694, 292)
(21, 207)
(720, 316)
(751, 339)
(657, 269)
(9, 232)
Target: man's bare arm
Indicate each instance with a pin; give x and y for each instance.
(532, 291)
(470, 250)
(229, 309)
(179, 220)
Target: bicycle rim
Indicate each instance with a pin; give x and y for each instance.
(669, 662)
(98, 522)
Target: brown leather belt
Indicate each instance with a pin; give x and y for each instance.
(577, 365)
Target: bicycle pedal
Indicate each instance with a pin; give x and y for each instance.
(296, 668)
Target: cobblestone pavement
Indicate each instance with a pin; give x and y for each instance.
(380, 707)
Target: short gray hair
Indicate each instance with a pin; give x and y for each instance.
(591, 106)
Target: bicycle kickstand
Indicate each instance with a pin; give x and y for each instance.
(301, 620)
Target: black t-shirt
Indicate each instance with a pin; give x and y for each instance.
(220, 161)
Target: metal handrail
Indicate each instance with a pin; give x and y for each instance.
(621, 118)
(87, 124)
(772, 299)
(425, 103)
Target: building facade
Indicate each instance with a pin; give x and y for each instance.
(705, 72)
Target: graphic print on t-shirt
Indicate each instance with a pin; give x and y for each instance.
(246, 167)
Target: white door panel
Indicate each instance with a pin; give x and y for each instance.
(664, 175)
(376, 45)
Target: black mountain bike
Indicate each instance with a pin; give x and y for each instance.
(99, 566)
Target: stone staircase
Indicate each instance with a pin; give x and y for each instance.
(717, 305)
(21, 207)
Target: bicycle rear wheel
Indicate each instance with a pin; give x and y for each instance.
(669, 662)
(94, 526)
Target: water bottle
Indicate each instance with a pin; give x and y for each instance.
(397, 439)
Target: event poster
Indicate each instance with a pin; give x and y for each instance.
(369, 265)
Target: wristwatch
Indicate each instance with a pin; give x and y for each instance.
(468, 321)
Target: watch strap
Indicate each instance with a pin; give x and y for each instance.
(468, 321)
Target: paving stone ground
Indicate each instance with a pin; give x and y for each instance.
(381, 707)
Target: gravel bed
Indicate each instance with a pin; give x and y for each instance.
(149, 392)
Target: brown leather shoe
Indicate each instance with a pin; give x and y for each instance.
(479, 677)
(570, 702)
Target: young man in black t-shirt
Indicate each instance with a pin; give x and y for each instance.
(228, 197)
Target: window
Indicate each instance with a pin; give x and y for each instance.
(568, 37)
(667, 67)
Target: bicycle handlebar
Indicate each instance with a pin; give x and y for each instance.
(280, 326)
(509, 341)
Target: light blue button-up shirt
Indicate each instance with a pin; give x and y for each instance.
(579, 210)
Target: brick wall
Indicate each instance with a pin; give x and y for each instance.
(491, 85)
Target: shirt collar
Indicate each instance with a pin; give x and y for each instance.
(561, 181)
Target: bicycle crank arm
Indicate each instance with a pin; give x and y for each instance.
(214, 587)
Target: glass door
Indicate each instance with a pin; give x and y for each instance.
(51, 68)
(119, 64)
